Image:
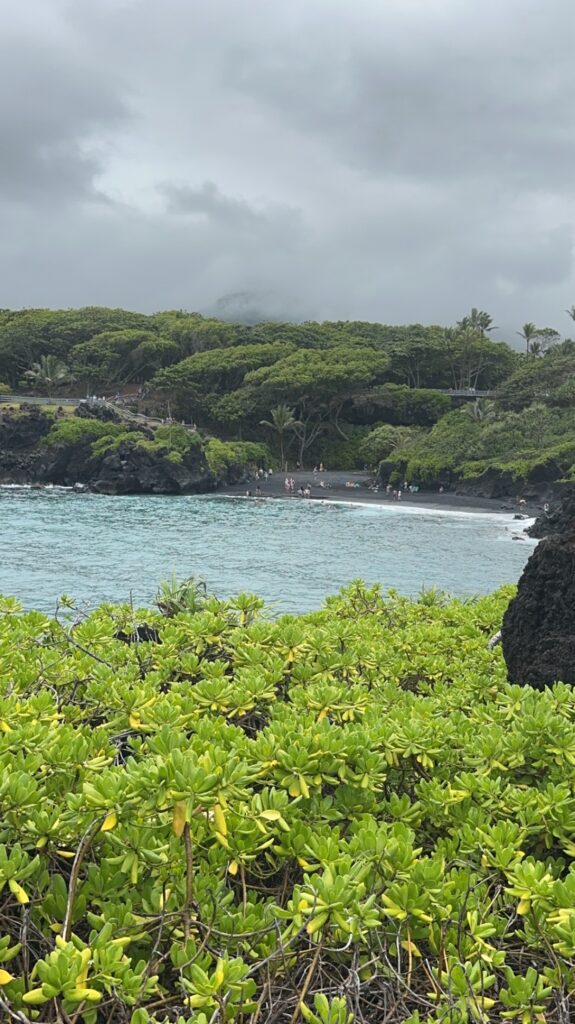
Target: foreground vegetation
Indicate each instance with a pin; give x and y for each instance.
(346, 816)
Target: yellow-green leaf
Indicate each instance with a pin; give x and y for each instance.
(17, 891)
(109, 822)
(220, 820)
(179, 818)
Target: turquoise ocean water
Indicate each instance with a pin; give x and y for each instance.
(291, 552)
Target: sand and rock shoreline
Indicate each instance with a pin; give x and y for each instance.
(332, 486)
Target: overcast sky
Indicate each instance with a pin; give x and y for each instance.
(393, 160)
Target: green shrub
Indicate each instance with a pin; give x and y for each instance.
(383, 441)
(111, 442)
(80, 430)
(214, 809)
(236, 456)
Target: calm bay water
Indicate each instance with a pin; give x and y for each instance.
(292, 553)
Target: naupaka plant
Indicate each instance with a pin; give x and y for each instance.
(211, 815)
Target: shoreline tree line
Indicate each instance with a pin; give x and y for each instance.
(351, 393)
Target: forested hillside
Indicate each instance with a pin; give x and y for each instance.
(347, 393)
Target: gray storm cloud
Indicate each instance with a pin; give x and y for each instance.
(398, 161)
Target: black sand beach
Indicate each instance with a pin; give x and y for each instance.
(334, 489)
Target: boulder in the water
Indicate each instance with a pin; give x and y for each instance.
(538, 632)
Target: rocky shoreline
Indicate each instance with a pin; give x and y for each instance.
(26, 458)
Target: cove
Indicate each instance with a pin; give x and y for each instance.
(291, 552)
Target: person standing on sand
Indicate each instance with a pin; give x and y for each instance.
(399, 495)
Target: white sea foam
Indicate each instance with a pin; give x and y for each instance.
(388, 508)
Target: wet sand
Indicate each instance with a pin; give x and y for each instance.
(334, 489)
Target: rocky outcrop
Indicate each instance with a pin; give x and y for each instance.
(538, 632)
(98, 411)
(21, 434)
(556, 519)
(128, 469)
(540, 485)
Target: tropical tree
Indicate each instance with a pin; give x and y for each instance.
(282, 420)
(528, 332)
(536, 348)
(571, 312)
(478, 320)
(548, 336)
(48, 373)
(481, 409)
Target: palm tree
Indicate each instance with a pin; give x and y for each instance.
(282, 420)
(528, 332)
(479, 321)
(571, 312)
(48, 373)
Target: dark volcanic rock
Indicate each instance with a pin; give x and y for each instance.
(129, 469)
(21, 434)
(97, 411)
(556, 520)
(538, 632)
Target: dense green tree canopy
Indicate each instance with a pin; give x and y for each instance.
(339, 379)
